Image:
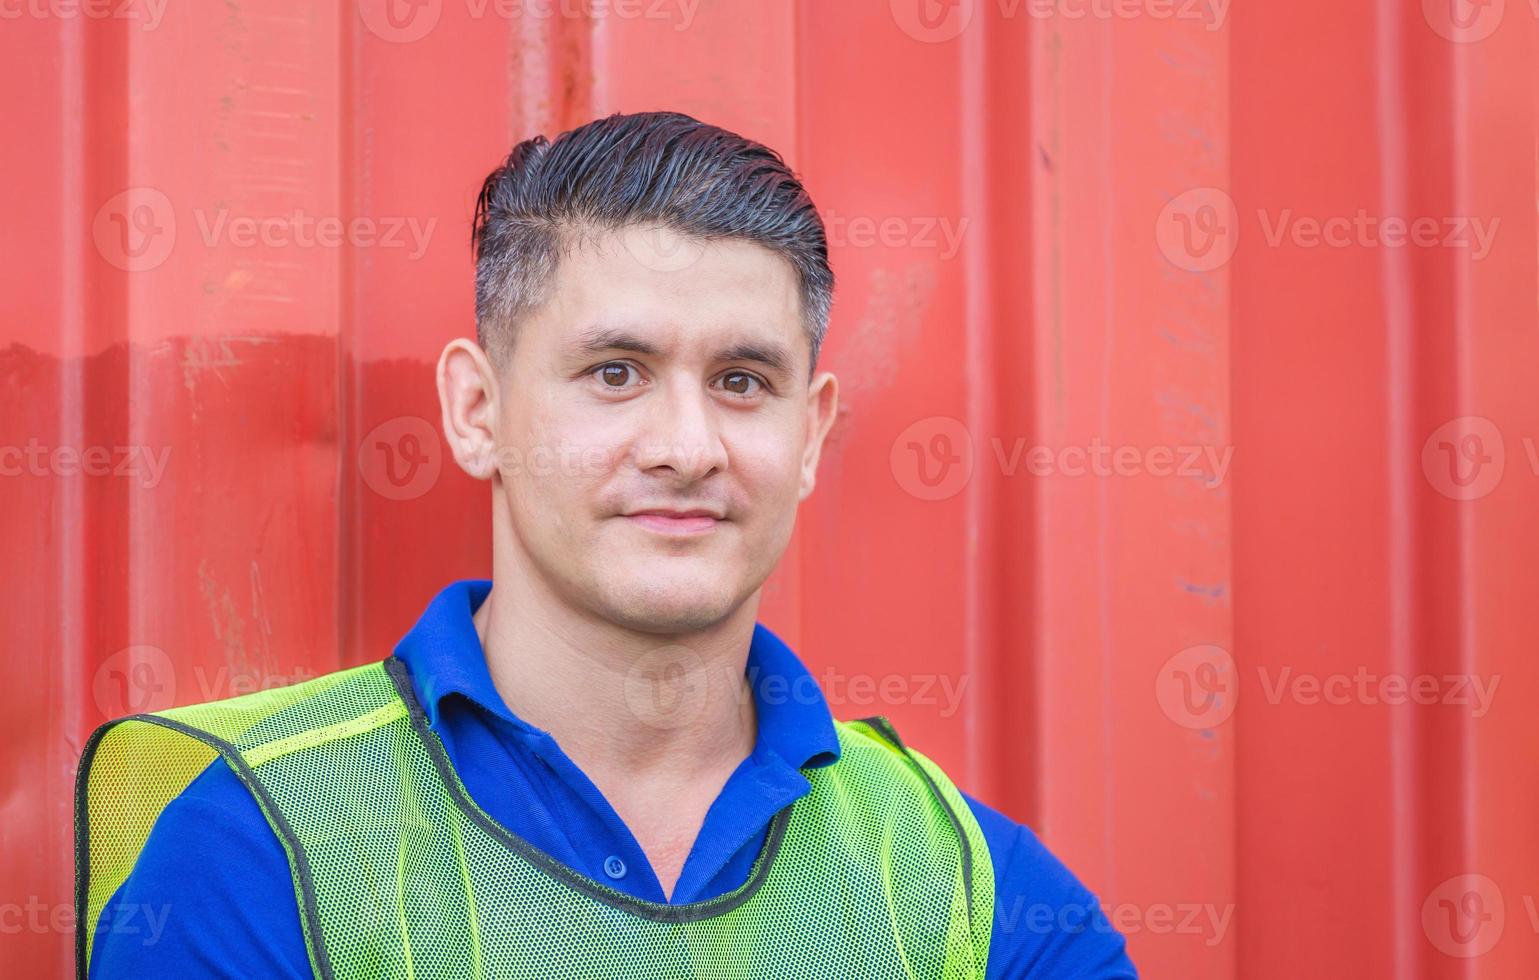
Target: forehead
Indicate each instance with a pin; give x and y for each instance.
(674, 288)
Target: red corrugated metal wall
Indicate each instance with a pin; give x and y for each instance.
(1184, 500)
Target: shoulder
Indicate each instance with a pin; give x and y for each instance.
(1046, 923)
(209, 895)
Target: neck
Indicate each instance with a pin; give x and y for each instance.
(638, 705)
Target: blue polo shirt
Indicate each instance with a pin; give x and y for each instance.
(212, 896)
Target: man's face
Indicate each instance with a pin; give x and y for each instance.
(665, 375)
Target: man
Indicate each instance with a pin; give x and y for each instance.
(581, 771)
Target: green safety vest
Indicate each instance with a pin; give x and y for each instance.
(879, 871)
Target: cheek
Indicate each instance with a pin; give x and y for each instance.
(568, 460)
(579, 430)
(771, 473)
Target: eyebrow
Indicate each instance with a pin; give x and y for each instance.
(597, 340)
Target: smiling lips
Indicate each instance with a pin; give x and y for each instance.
(675, 521)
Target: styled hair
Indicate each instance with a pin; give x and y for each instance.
(646, 168)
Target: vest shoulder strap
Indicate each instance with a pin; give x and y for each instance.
(969, 834)
(133, 767)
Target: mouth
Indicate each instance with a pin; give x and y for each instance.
(677, 523)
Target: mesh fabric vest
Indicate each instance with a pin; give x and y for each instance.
(879, 871)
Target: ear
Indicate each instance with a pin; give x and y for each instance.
(822, 408)
(467, 394)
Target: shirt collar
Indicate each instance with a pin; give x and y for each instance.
(443, 654)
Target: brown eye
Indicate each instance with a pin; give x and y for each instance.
(614, 375)
(739, 383)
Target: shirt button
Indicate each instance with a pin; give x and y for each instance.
(614, 867)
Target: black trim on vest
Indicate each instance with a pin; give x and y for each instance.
(83, 849)
(883, 727)
(237, 764)
(651, 911)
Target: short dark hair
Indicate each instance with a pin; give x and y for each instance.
(646, 168)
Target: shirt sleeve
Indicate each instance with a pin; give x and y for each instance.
(1046, 924)
(211, 894)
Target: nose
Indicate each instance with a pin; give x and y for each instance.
(681, 437)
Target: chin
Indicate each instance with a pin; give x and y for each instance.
(682, 604)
